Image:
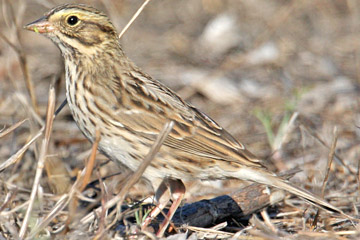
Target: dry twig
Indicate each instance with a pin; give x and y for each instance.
(141, 8)
(136, 176)
(42, 158)
(328, 166)
(5, 132)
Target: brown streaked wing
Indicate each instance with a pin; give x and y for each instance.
(153, 104)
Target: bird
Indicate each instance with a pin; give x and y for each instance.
(105, 90)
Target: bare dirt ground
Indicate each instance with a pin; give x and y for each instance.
(282, 76)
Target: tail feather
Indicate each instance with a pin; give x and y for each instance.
(272, 180)
(279, 183)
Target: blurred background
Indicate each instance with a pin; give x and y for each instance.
(278, 75)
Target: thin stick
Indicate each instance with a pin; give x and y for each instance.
(326, 178)
(322, 142)
(8, 199)
(149, 157)
(41, 161)
(267, 221)
(139, 172)
(330, 160)
(136, 176)
(15, 157)
(12, 128)
(59, 206)
(101, 228)
(23, 99)
(133, 18)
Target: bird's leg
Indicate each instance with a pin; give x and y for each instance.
(177, 190)
(161, 202)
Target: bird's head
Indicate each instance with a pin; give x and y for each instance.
(75, 27)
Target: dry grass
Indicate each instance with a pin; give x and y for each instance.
(279, 75)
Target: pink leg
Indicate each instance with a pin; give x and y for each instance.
(177, 190)
(161, 204)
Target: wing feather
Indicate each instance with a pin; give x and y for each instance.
(149, 105)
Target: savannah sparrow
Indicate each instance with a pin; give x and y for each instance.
(106, 90)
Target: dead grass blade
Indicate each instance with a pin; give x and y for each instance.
(322, 142)
(141, 8)
(41, 161)
(139, 172)
(102, 217)
(328, 166)
(12, 128)
(330, 160)
(59, 206)
(211, 233)
(15, 157)
(267, 221)
(28, 107)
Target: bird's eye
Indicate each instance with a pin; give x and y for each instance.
(72, 20)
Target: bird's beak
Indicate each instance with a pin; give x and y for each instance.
(42, 25)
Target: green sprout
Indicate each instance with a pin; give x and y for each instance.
(265, 118)
(140, 215)
(276, 138)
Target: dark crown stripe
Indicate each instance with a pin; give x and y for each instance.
(81, 7)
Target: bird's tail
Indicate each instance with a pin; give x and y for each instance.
(272, 180)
